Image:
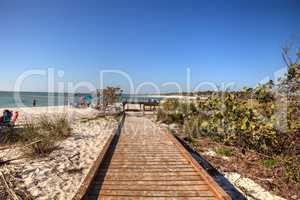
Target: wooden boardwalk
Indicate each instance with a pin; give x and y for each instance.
(148, 163)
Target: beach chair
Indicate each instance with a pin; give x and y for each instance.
(8, 119)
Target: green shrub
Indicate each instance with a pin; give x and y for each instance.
(257, 119)
(173, 111)
(224, 151)
(269, 163)
(292, 169)
(195, 126)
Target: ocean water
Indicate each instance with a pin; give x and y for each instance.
(9, 99)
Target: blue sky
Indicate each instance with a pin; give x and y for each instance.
(152, 40)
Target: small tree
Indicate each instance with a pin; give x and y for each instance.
(107, 97)
(291, 82)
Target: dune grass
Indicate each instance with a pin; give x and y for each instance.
(43, 134)
(46, 132)
(9, 135)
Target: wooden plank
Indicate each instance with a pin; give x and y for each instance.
(165, 164)
(140, 144)
(152, 178)
(162, 156)
(149, 156)
(162, 166)
(150, 170)
(146, 149)
(107, 197)
(148, 164)
(220, 193)
(182, 161)
(147, 160)
(145, 152)
(157, 193)
(156, 187)
(157, 183)
(146, 174)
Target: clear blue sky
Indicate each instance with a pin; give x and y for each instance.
(152, 40)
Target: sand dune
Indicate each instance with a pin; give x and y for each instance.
(58, 176)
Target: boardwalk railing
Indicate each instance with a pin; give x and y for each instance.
(144, 106)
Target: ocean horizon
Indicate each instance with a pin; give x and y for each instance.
(9, 99)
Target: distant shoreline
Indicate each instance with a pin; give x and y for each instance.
(44, 99)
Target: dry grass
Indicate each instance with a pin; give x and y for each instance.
(46, 131)
(43, 134)
(9, 135)
(57, 127)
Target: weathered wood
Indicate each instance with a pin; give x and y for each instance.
(161, 169)
(148, 193)
(107, 197)
(221, 194)
(146, 163)
(156, 187)
(164, 166)
(140, 182)
(143, 105)
(154, 174)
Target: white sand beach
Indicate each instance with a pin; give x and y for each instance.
(59, 175)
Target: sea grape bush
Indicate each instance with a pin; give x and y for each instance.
(265, 119)
(231, 119)
(173, 111)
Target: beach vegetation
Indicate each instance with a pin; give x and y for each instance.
(45, 133)
(264, 119)
(108, 97)
(42, 135)
(225, 151)
(292, 169)
(269, 163)
(57, 126)
(10, 135)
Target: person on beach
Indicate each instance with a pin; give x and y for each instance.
(81, 100)
(67, 101)
(34, 102)
(14, 117)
